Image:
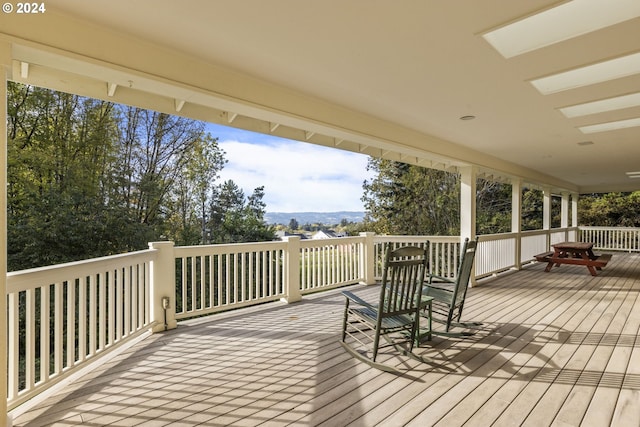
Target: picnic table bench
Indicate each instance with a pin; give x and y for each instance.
(576, 253)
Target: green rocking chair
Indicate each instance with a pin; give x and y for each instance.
(449, 294)
(396, 316)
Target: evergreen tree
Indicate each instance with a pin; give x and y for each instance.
(235, 218)
(407, 199)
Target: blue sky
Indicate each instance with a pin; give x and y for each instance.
(297, 176)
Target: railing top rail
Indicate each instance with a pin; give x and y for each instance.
(307, 243)
(593, 227)
(228, 248)
(27, 279)
(381, 238)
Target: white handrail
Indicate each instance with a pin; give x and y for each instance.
(69, 314)
(63, 316)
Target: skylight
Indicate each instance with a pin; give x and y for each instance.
(591, 74)
(560, 23)
(603, 127)
(595, 107)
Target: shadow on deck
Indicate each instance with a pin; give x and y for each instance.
(558, 347)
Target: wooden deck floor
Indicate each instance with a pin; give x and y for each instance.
(558, 348)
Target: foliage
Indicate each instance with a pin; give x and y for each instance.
(89, 178)
(493, 207)
(236, 218)
(407, 199)
(612, 209)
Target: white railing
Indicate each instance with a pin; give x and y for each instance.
(496, 253)
(215, 278)
(533, 243)
(63, 316)
(329, 263)
(612, 239)
(443, 252)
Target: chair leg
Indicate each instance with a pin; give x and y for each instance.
(430, 322)
(449, 319)
(344, 321)
(376, 342)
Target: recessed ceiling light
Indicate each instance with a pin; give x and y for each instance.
(610, 104)
(564, 22)
(591, 74)
(633, 173)
(467, 117)
(603, 127)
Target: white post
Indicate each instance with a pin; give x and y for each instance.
(292, 277)
(546, 209)
(516, 218)
(546, 214)
(163, 287)
(574, 216)
(574, 209)
(564, 213)
(368, 259)
(468, 183)
(5, 69)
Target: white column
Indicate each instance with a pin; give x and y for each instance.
(468, 182)
(5, 69)
(574, 209)
(516, 218)
(546, 209)
(468, 178)
(292, 279)
(546, 214)
(162, 294)
(368, 258)
(564, 213)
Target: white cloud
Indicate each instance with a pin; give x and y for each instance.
(296, 176)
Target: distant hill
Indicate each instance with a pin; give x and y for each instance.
(328, 218)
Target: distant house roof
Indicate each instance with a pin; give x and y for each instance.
(326, 234)
(281, 234)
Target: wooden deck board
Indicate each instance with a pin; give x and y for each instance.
(554, 349)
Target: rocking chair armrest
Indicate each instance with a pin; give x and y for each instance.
(356, 299)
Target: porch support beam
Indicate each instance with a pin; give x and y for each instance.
(564, 210)
(574, 209)
(546, 208)
(546, 213)
(5, 70)
(468, 184)
(516, 218)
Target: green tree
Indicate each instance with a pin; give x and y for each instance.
(193, 192)
(612, 209)
(408, 199)
(59, 147)
(235, 218)
(493, 207)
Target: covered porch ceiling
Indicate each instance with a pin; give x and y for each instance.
(382, 78)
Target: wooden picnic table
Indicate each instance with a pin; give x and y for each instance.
(576, 253)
